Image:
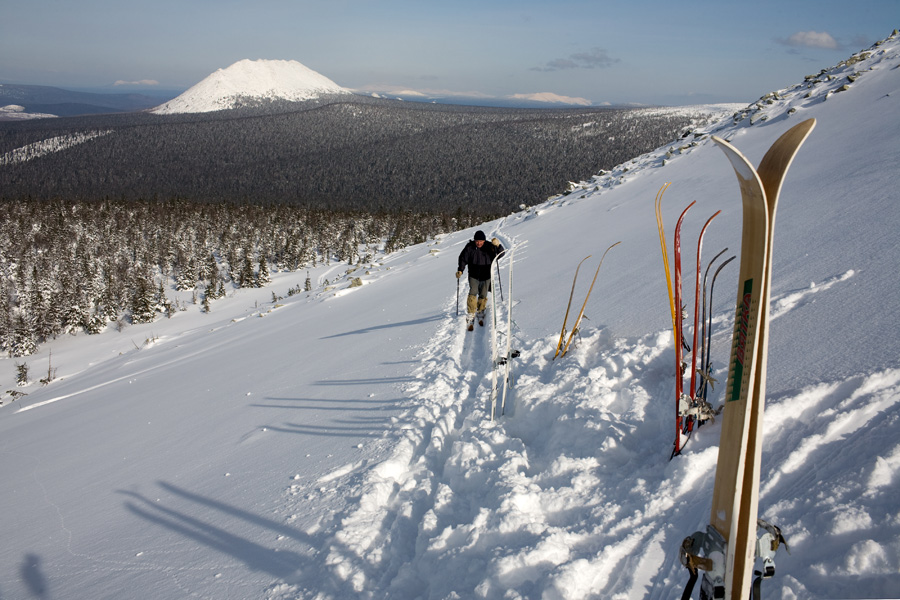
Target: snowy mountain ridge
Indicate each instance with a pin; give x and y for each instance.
(335, 444)
(249, 82)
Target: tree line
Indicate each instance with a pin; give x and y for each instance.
(82, 266)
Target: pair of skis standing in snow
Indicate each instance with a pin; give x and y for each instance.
(562, 346)
(728, 548)
(482, 259)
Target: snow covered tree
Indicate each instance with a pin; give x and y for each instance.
(143, 300)
(246, 275)
(23, 342)
(263, 278)
(21, 374)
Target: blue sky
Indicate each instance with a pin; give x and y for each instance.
(607, 52)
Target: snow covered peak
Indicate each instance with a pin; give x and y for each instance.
(250, 82)
(551, 98)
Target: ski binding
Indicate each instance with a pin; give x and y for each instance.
(513, 354)
(707, 550)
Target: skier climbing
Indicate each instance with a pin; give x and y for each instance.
(478, 256)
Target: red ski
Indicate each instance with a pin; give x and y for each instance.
(679, 335)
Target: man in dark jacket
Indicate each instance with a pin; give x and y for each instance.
(478, 256)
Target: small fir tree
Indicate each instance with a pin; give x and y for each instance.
(143, 302)
(263, 278)
(21, 374)
(246, 275)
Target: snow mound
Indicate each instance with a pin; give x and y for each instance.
(250, 82)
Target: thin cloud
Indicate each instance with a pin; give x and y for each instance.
(141, 82)
(595, 58)
(811, 39)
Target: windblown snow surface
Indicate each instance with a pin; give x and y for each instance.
(336, 444)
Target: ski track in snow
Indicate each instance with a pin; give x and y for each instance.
(787, 302)
(515, 508)
(541, 502)
(511, 507)
(530, 506)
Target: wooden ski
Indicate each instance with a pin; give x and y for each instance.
(665, 252)
(577, 323)
(735, 504)
(562, 334)
(510, 353)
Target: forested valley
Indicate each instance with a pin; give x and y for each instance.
(102, 215)
(363, 154)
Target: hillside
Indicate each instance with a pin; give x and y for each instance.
(335, 444)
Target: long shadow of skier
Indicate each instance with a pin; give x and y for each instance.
(431, 319)
(277, 562)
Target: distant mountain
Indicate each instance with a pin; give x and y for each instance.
(537, 100)
(551, 98)
(252, 83)
(43, 101)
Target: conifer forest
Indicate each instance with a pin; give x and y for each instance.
(104, 215)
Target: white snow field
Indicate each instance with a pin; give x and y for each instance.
(337, 444)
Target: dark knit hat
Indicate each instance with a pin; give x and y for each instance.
(479, 235)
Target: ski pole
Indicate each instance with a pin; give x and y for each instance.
(457, 296)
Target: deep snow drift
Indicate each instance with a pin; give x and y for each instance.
(336, 445)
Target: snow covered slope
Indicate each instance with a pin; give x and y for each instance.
(249, 82)
(335, 444)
